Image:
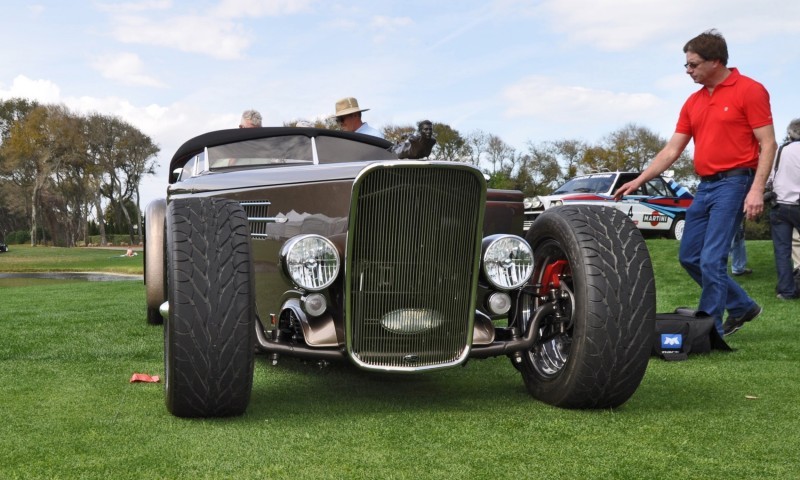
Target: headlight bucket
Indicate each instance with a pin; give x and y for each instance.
(310, 261)
(507, 261)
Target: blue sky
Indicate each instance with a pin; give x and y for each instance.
(522, 70)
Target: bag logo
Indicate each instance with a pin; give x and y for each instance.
(671, 341)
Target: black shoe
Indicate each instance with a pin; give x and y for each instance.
(733, 324)
(746, 271)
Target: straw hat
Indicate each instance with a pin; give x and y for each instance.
(346, 106)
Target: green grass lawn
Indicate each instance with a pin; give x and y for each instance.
(67, 409)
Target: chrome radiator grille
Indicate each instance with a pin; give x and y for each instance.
(413, 247)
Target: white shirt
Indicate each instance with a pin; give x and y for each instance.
(366, 129)
(786, 181)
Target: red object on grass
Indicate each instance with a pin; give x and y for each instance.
(143, 377)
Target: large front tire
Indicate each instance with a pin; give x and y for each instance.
(593, 264)
(209, 335)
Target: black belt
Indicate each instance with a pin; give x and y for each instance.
(728, 173)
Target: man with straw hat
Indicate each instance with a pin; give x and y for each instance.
(348, 117)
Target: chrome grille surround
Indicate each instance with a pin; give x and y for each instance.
(413, 245)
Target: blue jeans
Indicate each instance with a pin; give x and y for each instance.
(711, 220)
(738, 251)
(783, 219)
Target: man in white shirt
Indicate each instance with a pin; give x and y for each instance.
(348, 116)
(784, 217)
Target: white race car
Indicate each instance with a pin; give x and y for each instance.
(658, 205)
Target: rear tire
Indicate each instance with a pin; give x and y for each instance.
(593, 263)
(154, 269)
(209, 336)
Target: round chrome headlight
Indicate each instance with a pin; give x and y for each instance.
(536, 202)
(556, 203)
(311, 261)
(507, 261)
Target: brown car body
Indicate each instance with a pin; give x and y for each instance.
(412, 289)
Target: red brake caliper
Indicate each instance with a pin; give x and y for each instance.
(551, 279)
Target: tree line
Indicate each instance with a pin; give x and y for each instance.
(61, 171)
(543, 166)
(64, 176)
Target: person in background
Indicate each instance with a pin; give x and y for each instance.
(250, 119)
(739, 253)
(348, 117)
(796, 254)
(784, 217)
(730, 121)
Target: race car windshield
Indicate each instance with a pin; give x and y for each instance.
(599, 184)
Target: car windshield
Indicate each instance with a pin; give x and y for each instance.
(290, 149)
(293, 150)
(590, 184)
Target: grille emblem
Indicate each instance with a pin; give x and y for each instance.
(411, 358)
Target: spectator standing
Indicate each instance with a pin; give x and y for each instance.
(739, 253)
(250, 119)
(784, 217)
(730, 121)
(796, 257)
(348, 117)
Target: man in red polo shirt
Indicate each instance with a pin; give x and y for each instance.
(730, 121)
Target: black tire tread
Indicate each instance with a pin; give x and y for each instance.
(610, 356)
(209, 336)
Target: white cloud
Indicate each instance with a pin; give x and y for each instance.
(616, 25)
(135, 6)
(382, 22)
(260, 8)
(543, 97)
(125, 68)
(384, 26)
(36, 10)
(43, 91)
(190, 33)
(212, 33)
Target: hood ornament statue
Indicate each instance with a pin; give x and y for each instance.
(417, 145)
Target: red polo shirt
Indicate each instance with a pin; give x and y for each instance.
(722, 123)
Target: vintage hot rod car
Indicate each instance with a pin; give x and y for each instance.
(323, 245)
